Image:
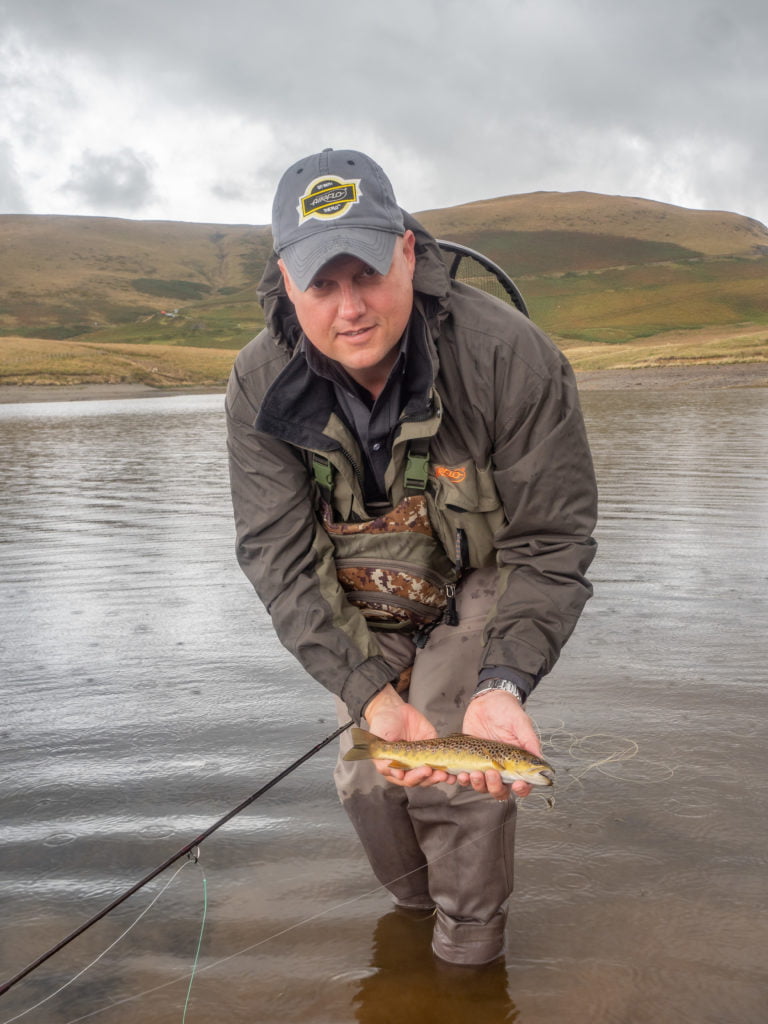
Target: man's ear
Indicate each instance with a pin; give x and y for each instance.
(409, 249)
(287, 279)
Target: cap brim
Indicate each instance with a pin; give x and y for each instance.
(305, 258)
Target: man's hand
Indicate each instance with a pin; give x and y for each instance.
(498, 715)
(391, 718)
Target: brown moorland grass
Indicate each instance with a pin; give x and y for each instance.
(713, 346)
(43, 361)
(34, 361)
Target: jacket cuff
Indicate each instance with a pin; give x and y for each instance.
(524, 680)
(363, 684)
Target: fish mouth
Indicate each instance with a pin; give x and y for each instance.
(546, 777)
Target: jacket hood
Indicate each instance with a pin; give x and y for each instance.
(430, 280)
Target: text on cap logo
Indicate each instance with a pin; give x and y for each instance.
(328, 197)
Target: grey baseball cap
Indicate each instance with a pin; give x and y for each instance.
(334, 202)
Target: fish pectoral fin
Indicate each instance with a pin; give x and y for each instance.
(499, 767)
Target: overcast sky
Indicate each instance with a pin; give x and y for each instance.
(190, 110)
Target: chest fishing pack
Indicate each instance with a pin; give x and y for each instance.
(393, 567)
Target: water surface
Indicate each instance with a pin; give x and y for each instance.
(144, 695)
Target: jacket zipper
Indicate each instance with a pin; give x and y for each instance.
(372, 598)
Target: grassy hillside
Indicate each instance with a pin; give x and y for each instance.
(610, 270)
(73, 276)
(613, 279)
(713, 233)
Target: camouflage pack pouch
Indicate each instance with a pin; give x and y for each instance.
(393, 568)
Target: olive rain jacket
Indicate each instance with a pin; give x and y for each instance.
(509, 464)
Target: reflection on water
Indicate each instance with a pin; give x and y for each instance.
(144, 695)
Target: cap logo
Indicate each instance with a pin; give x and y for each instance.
(328, 197)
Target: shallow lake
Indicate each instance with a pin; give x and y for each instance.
(144, 696)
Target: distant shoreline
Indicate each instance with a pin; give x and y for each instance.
(668, 378)
(653, 378)
(25, 393)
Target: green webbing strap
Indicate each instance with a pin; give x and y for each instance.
(415, 476)
(417, 465)
(322, 470)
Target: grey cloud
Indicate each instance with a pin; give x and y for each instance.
(495, 97)
(229, 190)
(120, 180)
(12, 199)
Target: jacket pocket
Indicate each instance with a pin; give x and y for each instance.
(466, 488)
(465, 497)
(393, 595)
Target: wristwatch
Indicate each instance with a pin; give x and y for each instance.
(487, 685)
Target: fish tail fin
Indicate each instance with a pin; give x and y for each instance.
(361, 745)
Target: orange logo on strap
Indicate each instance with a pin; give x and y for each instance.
(457, 475)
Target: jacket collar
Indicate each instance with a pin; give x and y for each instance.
(299, 404)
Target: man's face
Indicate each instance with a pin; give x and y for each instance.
(356, 316)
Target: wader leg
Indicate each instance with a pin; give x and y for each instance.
(379, 811)
(468, 837)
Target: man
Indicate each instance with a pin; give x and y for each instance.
(414, 501)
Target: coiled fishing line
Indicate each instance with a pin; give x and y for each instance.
(601, 752)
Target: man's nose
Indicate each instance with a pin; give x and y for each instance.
(351, 303)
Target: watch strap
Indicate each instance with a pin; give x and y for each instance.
(506, 685)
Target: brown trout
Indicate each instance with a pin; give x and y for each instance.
(454, 754)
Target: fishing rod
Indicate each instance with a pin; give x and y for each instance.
(171, 860)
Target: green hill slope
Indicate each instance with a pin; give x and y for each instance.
(71, 276)
(610, 269)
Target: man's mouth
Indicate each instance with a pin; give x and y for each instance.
(360, 332)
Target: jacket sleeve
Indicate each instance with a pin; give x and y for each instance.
(288, 557)
(544, 475)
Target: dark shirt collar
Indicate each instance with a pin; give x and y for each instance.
(333, 371)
